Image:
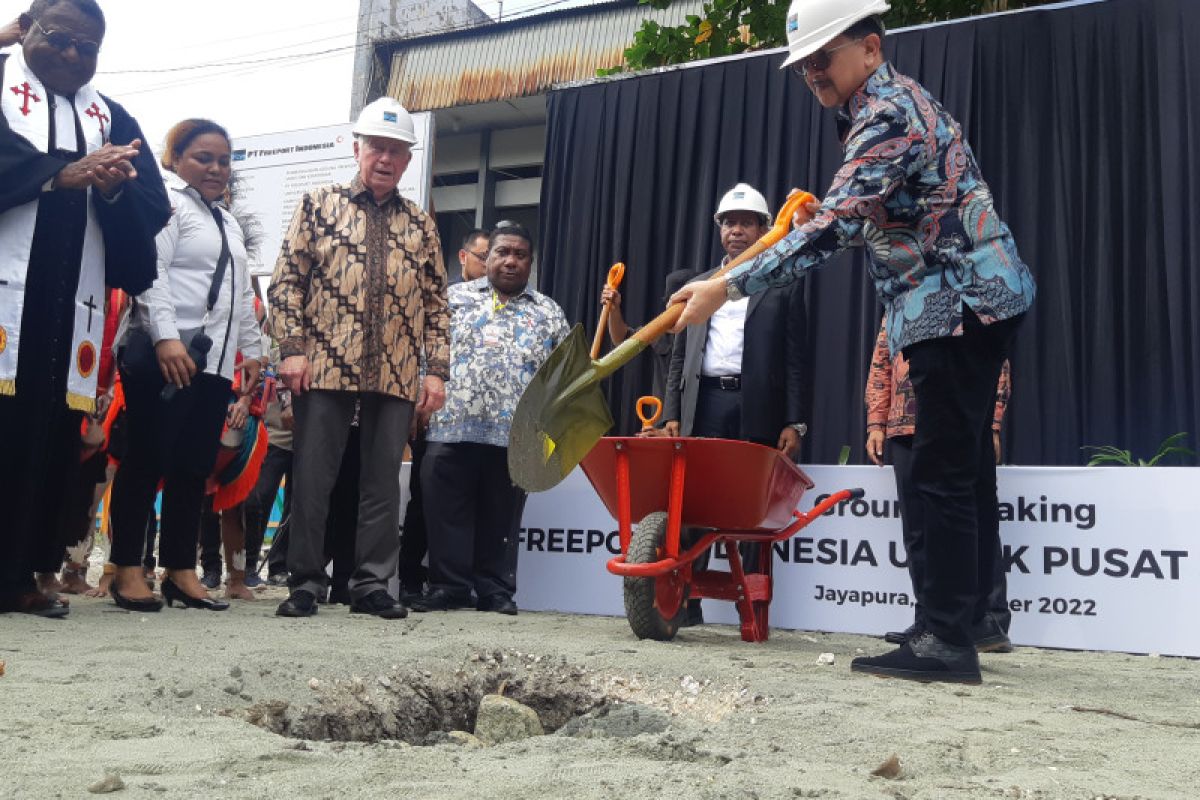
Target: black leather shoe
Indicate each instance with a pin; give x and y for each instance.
(900, 637)
(410, 595)
(37, 604)
(339, 597)
(301, 603)
(379, 604)
(441, 600)
(173, 594)
(209, 580)
(500, 603)
(924, 658)
(989, 637)
(693, 616)
(145, 606)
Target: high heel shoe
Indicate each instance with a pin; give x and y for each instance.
(172, 593)
(133, 604)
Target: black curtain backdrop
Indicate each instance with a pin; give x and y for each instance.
(1086, 121)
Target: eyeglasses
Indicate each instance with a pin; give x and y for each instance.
(480, 256)
(62, 42)
(820, 60)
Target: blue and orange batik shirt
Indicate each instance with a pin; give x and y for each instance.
(910, 191)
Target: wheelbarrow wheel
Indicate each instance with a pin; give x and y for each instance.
(655, 607)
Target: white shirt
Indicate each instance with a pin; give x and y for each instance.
(188, 250)
(726, 336)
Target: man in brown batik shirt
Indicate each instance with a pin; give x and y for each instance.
(358, 296)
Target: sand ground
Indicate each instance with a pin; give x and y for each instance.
(184, 704)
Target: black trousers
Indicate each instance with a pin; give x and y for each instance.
(276, 467)
(719, 416)
(473, 513)
(954, 470)
(900, 450)
(36, 473)
(341, 526)
(414, 540)
(210, 539)
(174, 442)
(323, 423)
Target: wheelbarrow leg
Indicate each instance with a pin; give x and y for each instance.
(753, 596)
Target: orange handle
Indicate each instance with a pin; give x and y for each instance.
(616, 274)
(647, 418)
(795, 204)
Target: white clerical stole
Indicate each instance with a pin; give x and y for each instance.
(34, 113)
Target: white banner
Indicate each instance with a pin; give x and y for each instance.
(1099, 558)
(275, 170)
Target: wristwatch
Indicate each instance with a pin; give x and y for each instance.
(800, 428)
(732, 292)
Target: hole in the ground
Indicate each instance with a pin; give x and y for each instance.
(421, 706)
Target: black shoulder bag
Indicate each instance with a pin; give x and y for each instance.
(137, 355)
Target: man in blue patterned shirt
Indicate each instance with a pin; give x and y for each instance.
(501, 332)
(954, 290)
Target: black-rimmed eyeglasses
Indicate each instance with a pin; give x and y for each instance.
(62, 42)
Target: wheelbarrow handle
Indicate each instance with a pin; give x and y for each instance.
(616, 273)
(796, 203)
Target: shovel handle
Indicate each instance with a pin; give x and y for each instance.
(649, 409)
(795, 204)
(616, 274)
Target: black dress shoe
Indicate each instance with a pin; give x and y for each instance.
(147, 605)
(301, 603)
(209, 580)
(900, 637)
(500, 603)
(441, 600)
(173, 594)
(989, 637)
(339, 596)
(693, 616)
(37, 604)
(379, 604)
(924, 658)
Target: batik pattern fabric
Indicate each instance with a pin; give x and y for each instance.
(910, 191)
(495, 350)
(360, 289)
(891, 402)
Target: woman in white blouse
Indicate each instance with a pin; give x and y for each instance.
(177, 364)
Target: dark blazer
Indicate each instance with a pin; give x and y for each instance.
(774, 365)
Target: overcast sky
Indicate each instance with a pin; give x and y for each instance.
(248, 99)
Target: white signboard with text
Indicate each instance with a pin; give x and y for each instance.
(273, 172)
(1098, 559)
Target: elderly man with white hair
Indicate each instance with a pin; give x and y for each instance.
(357, 299)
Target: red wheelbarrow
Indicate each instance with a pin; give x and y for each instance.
(737, 491)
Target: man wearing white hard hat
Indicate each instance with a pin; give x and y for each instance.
(357, 299)
(954, 291)
(741, 375)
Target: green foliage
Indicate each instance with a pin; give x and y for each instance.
(728, 27)
(1108, 454)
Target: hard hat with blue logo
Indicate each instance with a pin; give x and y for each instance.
(387, 118)
(812, 24)
(743, 197)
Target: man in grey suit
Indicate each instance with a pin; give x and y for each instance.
(741, 375)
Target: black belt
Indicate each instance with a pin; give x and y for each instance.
(730, 383)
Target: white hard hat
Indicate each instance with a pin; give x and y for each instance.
(387, 118)
(812, 24)
(743, 197)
